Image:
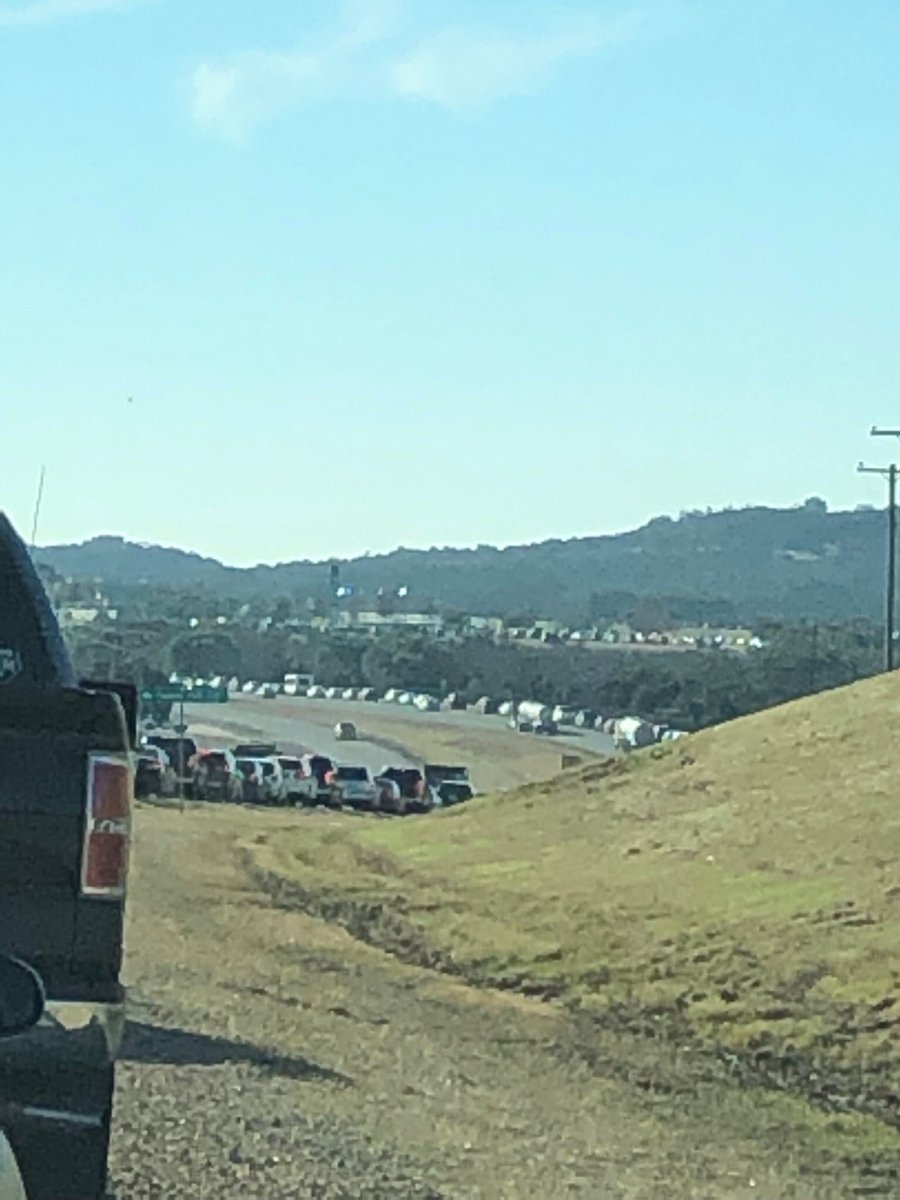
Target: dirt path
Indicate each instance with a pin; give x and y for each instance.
(270, 1055)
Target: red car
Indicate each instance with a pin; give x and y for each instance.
(411, 782)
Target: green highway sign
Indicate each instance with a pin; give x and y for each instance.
(204, 693)
(173, 693)
(167, 694)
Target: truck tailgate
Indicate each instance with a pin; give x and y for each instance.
(74, 941)
(42, 789)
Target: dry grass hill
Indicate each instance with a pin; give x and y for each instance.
(735, 894)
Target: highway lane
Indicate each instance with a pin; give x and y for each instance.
(285, 722)
(396, 734)
(327, 712)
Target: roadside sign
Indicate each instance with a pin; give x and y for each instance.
(205, 693)
(172, 693)
(167, 694)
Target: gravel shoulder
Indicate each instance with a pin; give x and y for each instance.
(270, 1054)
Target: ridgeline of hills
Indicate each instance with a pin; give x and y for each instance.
(737, 565)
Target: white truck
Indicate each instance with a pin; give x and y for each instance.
(297, 684)
(534, 712)
(631, 733)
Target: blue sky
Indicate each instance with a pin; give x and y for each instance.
(442, 272)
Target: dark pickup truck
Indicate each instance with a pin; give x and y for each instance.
(65, 829)
(448, 785)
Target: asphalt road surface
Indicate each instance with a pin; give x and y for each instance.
(390, 734)
(286, 722)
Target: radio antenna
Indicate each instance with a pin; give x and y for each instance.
(37, 506)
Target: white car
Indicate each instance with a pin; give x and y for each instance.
(273, 789)
(315, 692)
(297, 684)
(355, 787)
(249, 687)
(300, 785)
(320, 767)
(158, 753)
(425, 703)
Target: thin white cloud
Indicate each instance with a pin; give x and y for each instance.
(373, 52)
(461, 71)
(367, 22)
(44, 12)
(231, 99)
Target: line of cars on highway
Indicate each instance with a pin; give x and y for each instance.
(260, 773)
(527, 716)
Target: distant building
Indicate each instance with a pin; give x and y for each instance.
(374, 622)
(73, 616)
(484, 625)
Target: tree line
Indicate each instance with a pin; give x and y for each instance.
(691, 689)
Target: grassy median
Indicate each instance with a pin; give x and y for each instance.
(738, 891)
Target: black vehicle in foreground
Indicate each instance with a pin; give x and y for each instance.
(65, 829)
(22, 1004)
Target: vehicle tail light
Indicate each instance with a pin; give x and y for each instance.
(107, 826)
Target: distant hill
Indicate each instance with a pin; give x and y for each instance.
(732, 565)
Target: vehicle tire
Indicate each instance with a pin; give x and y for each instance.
(71, 1167)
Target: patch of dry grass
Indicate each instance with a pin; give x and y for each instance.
(740, 888)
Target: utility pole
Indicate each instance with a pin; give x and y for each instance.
(890, 473)
(181, 731)
(892, 534)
